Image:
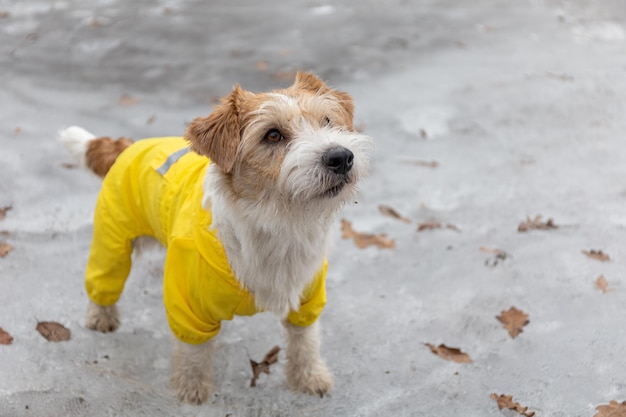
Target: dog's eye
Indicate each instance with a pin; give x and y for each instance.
(273, 136)
(326, 121)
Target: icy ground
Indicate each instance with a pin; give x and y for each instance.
(521, 104)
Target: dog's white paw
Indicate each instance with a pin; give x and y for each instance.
(318, 381)
(192, 390)
(102, 319)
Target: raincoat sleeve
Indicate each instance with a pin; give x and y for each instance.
(313, 300)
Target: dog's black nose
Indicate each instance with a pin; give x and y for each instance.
(338, 160)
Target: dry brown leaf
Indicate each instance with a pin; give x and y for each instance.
(598, 255)
(264, 367)
(53, 331)
(127, 100)
(3, 212)
(5, 248)
(18, 130)
(603, 284)
(449, 354)
(391, 212)
(4, 14)
(506, 401)
(284, 53)
(490, 250)
(429, 225)
(434, 224)
(68, 165)
(423, 134)
(5, 337)
(151, 119)
(514, 320)
(363, 240)
(612, 409)
(536, 224)
(261, 65)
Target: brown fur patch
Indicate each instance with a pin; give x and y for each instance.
(308, 83)
(218, 135)
(102, 153)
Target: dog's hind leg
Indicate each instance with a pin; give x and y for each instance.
(192, 371)
(306, 370)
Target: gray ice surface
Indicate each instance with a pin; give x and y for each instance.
(521, 103)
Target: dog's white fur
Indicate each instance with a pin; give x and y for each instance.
(276, 242)
(76, 140)
(276, 247)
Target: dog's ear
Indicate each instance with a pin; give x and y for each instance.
(218, 135)
(309, 82)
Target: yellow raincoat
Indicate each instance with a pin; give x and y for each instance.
(155, 189)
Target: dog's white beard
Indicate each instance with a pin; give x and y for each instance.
(303, 177)
(276, 248)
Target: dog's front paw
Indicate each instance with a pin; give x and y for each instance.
(192, 391)
(101, 318)
(318, 381)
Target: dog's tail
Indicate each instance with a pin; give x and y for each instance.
(95, 153)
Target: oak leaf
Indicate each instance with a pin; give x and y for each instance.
(449, 354)
(53, 331)
(363, 240)
(391, 212)
(598, 255)
(5, 337)
(264, 367)
(603, 285)
(5, 248)
(3, 211)
(514, 320)
(434, 224)
(429, 225)
(536, 223)
(506, 401)
(612, 409)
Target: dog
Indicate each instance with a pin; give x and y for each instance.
(243, 203)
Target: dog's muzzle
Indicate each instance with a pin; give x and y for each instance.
(338, 161)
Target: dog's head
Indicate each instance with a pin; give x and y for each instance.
(295, 144)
